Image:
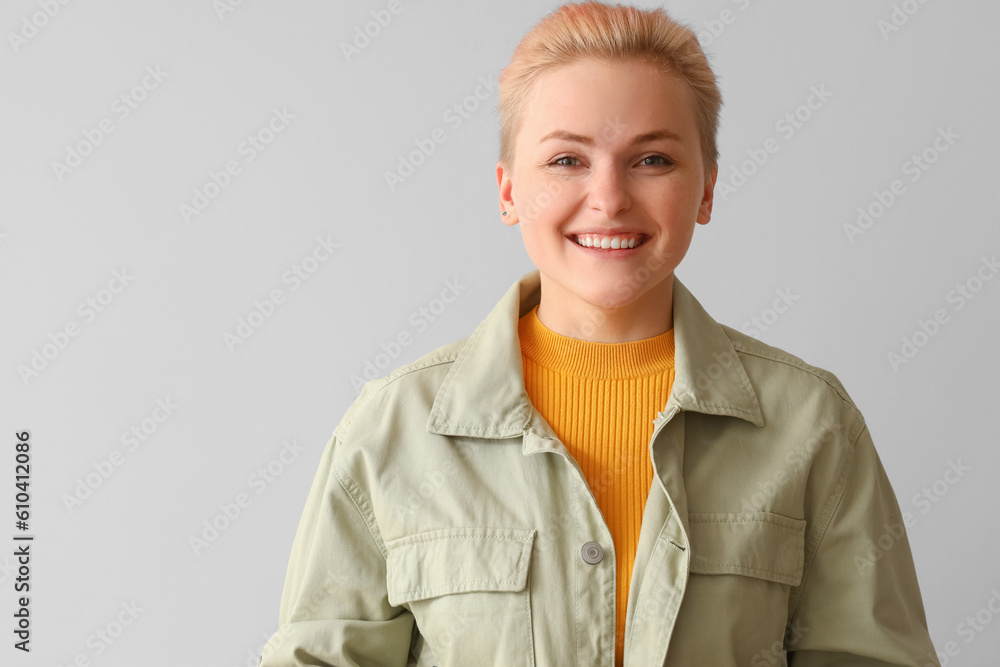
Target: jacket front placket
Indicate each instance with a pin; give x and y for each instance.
(659, 576)
(595, 590)
(708, 379)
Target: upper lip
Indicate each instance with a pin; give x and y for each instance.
(615, 231)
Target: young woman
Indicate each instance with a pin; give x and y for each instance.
(601, 474)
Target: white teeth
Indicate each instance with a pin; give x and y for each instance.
(607, 242)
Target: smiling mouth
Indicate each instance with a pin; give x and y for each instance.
(615, 242)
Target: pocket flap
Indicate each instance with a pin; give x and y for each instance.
(756, 544)
(457, 560)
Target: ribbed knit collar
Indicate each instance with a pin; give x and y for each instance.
(582, 358)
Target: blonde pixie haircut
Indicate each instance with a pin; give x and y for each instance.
(609, 32)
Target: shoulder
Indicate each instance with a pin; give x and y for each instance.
(770, 360)
(408, 391)
(780, 376)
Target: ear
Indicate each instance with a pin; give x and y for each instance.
(708, 197)
(506, 187)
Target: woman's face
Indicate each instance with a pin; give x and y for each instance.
(607, 151)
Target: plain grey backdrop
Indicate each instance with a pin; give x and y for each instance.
(201, 254)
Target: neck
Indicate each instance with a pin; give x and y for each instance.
(649, 314)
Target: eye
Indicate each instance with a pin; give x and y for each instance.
(562, 161)
(656, 161)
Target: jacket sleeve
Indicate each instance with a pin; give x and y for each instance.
(334, 606)
(859, 602)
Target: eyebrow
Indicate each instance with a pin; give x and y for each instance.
(588, 141)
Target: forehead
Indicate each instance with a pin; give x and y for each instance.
(590, 94)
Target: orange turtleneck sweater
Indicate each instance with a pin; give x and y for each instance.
(601, 399)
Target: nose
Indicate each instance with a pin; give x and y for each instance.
(609, 192)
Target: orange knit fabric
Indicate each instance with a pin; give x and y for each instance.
(601, 399)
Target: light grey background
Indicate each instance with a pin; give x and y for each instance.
(63, 235)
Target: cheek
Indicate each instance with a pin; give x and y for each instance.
(546, 209)
(678, 197)
(544, 201)
(537, 237)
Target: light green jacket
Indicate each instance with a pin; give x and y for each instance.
(446, 524)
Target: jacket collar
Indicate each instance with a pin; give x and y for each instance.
(483, 394)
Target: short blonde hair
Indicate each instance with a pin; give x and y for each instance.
(609, 32)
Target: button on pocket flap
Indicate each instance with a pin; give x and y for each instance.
(756, 544)
(457, 560)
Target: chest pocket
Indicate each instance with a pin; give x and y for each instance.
(754, 544)
(467, 589)
(742, 569)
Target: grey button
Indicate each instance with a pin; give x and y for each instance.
(592, 553)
